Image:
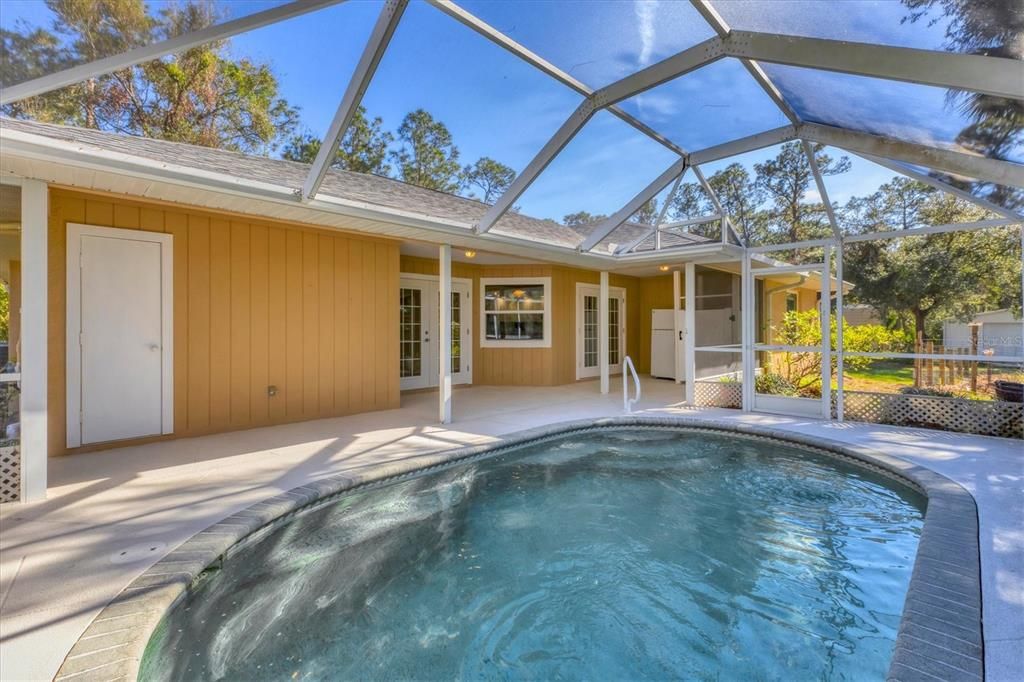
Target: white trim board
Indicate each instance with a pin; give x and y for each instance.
(73, 325)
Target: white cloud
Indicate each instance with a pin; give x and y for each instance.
(644, 10)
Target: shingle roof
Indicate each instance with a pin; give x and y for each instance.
(342, 184)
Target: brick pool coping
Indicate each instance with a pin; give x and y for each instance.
(940, 632)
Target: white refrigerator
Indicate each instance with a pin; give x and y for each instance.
(666, 344)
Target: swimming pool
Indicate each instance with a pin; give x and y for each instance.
(627, 553)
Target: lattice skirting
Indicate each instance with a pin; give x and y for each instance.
(718, 393)
(986, 418)
(10, 474)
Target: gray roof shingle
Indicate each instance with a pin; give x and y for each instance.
(342, 184)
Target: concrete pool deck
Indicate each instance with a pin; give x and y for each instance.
(112, 514)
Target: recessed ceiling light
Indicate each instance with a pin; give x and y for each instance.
(470, 253)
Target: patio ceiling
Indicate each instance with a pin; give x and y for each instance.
(785, 54)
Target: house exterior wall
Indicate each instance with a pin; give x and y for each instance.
(655, 292)
(537, 366)
(256, 303)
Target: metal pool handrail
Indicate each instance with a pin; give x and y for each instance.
(627, 404)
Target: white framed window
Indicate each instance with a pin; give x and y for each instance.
(515, 312)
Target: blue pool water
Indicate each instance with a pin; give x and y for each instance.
(612, 555)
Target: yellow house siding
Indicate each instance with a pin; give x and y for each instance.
(655, 293)
(310, 311)
(535, 366)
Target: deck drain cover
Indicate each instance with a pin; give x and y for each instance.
(138, 553)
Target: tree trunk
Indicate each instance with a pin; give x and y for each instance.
(919, 317)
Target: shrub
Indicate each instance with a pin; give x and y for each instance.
(774, 384)
(803, 370)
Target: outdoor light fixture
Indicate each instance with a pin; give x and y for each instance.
(663, 268)
(470, 253)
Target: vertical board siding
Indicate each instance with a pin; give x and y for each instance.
(655, 293)
(312, 312)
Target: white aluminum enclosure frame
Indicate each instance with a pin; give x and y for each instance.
(973, 73)
(749, 309)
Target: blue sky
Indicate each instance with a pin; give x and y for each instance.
(496, 105)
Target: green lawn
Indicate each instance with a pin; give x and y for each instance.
(885, 376)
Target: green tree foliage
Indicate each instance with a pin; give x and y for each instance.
(201, 96)
(491, 177)
(582, 219)
(363, 148)
(740, 195)
(648, 213)
(427, 156)
(955, 274)
(785, 180)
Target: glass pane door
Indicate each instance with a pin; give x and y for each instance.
(456, 332)
(590, 341)
(614, 324)
(411, 316)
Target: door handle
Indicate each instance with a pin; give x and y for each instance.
(154, 346)
(680, 335)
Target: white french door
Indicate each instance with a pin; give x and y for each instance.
(419, 325)
(587, 320)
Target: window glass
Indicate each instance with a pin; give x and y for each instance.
(928, 115)
(604, 166)
(597, 42)
(493, 105)
(514, 298)
(525, 327)
(515, 312)
(714, 104)
(971, 26)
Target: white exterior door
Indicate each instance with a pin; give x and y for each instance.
(119, 322)
(587, 321)
(419, 323)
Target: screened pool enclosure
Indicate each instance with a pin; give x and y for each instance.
(604, 109)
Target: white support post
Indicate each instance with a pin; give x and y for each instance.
(690, 333)
(677, 294)
(33, 357)
(602, 334)
(840, 318)
(826, 335)
(747, 331)
(445, 334)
